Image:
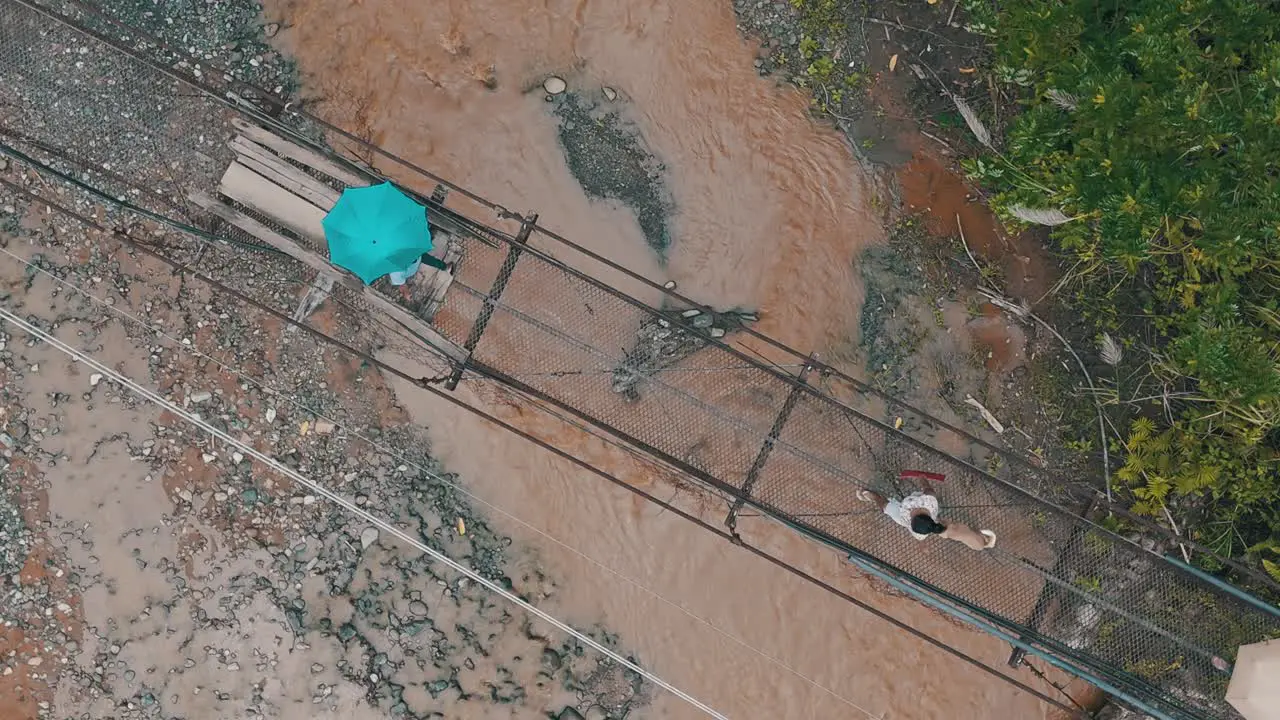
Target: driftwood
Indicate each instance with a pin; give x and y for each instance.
(662, 342)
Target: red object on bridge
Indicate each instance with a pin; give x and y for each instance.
(932, 476)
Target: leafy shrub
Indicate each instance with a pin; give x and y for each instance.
(1155, 126)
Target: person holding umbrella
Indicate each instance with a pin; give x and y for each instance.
(379, 231)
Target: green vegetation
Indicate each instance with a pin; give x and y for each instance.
(1150, 143)
(823, 22)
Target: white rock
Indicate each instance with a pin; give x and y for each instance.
(324, 427)
(208, 458)
(610, 94)
(202, 396)
(717, 332)
(669, 285)
(368, 537)
(237, 458)
(554, 85)
(271, 415)
(94, 379)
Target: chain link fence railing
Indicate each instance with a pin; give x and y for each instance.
(138, 121)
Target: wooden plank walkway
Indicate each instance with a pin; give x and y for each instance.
(263, 180)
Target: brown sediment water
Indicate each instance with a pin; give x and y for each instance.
(769, 209)
(771, 212)
(951, 207)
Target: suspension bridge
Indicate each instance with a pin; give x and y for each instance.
(122, 120)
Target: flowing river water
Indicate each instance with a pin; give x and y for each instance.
(771, 212)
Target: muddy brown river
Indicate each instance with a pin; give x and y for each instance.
(771, 212)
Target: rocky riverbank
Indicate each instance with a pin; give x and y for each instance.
(148, 571)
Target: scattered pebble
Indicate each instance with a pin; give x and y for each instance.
(554, 85)
(368, 537)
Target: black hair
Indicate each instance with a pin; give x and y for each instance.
(924, 525)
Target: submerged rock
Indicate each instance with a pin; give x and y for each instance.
(554, 85)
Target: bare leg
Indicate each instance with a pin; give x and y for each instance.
(873, 497)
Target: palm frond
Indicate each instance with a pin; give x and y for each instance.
(1064, 100)
(1109, 350)
(1040, 216)
(971, 119)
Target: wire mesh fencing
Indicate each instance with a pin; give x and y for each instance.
(777, 444)
(135, 120)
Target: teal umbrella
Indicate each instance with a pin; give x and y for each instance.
(376, 230)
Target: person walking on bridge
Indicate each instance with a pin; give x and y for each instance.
(918, 513)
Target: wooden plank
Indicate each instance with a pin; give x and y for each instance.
(322, 164)
(275, 168)
(415, 325)
(430, 282)
(455, 249)
(438, 293)
(249, 188)
(306, 156)
(284, 244)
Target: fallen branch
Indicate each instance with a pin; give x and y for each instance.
(938, 140)
(1185, 555)
(986, 414)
